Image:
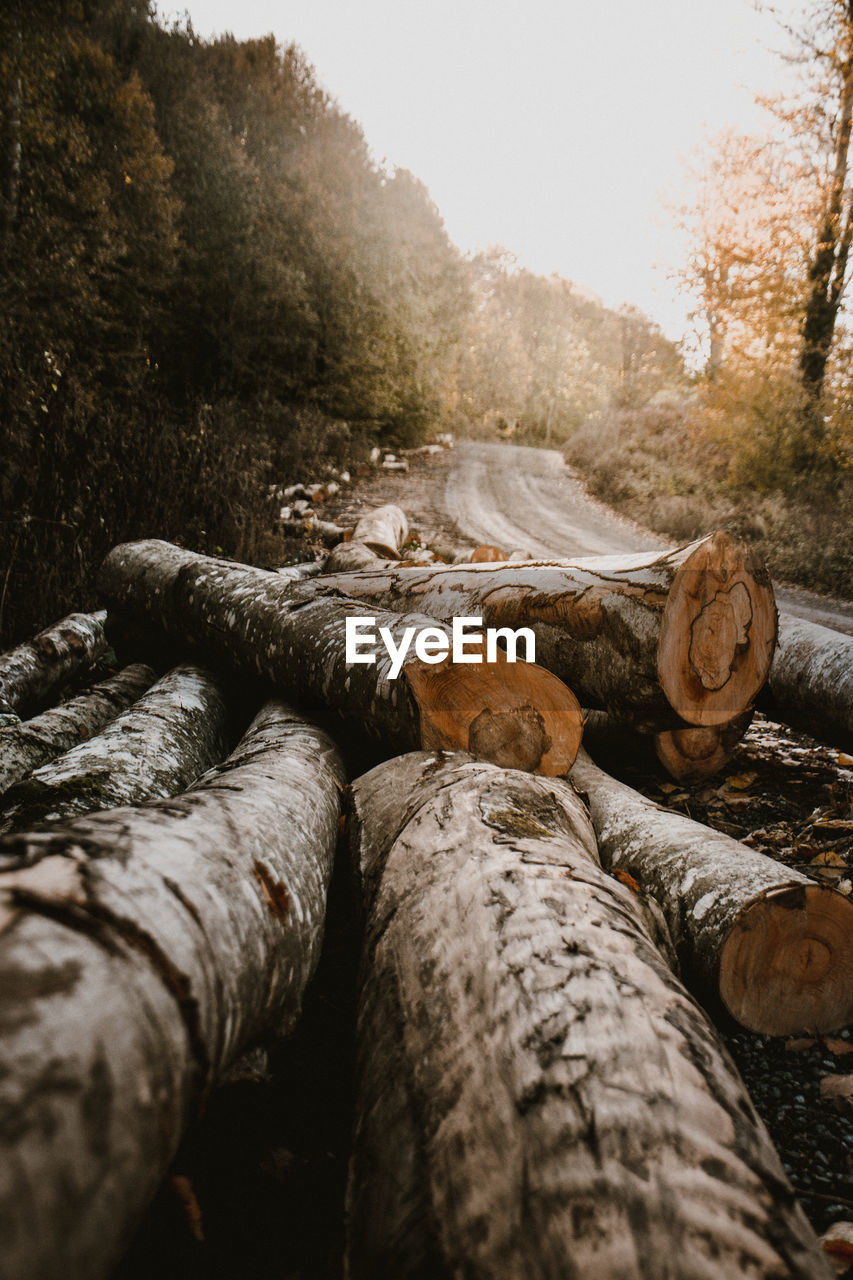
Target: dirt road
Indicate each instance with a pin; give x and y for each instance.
(525, 499)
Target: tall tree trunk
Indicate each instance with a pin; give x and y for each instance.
(828, 267)
(141, 952)
(12, 145)
(536, 1094)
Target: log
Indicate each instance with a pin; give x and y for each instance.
(513, 713)
(141, 952)
(323, 531)
(774, 945)
(297, 572)
(694, 754)
(811, 682)
(30, 672)
(34, 742)
(536, 1095)
(664, 640)
(690, 755)
(349, 556)
(167, 739)
(382, 530)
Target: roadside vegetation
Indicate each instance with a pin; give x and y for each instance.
(209, 287)
(762, 442)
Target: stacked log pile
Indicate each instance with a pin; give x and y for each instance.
(527, 919)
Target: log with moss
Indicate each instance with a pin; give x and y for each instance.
(536, 1095)
(142, 951)
(26, 746)
(33, 670)
(776, 946)
(661, 640)
(154, 749)
(811, 682)
(514, 713)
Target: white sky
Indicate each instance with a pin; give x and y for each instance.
(552, 127)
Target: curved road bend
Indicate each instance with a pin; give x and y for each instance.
(525, 499)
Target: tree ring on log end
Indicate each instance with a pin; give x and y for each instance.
(690, 755)
(718, 632)
(500, 711)
(787, 965)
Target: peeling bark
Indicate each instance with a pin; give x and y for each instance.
(661, 640)
(536, 1094)
(33, 743)
(512, 713)
(811, 682)
(776, 946)
(30, 672)
(161, 744)
(141, 952)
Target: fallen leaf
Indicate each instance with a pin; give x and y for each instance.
(844, 760)
(836, 1046)
(829, 858)
(183, 1188)
(624, 878)
(801, 1042)
(740, 781)
(838, 1091)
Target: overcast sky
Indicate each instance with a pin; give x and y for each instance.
(553, 127)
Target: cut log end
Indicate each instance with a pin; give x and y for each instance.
(516, 715)
(718, 632)
(787, 965)
(488, 554)
(694, 754)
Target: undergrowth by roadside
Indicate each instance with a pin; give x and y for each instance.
(660, 467)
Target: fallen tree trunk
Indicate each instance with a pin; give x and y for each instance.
(689, 755)
(298, 572)
(811, 682)
(383, 531)
(318, 530)
(776, 946)
(347, 557)
(31, 671)
(661, 640)
(167, 739)
(32, 743)
(536, 1094)
(516, 714)
(141, 952)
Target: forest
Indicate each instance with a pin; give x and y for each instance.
(211, 287)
